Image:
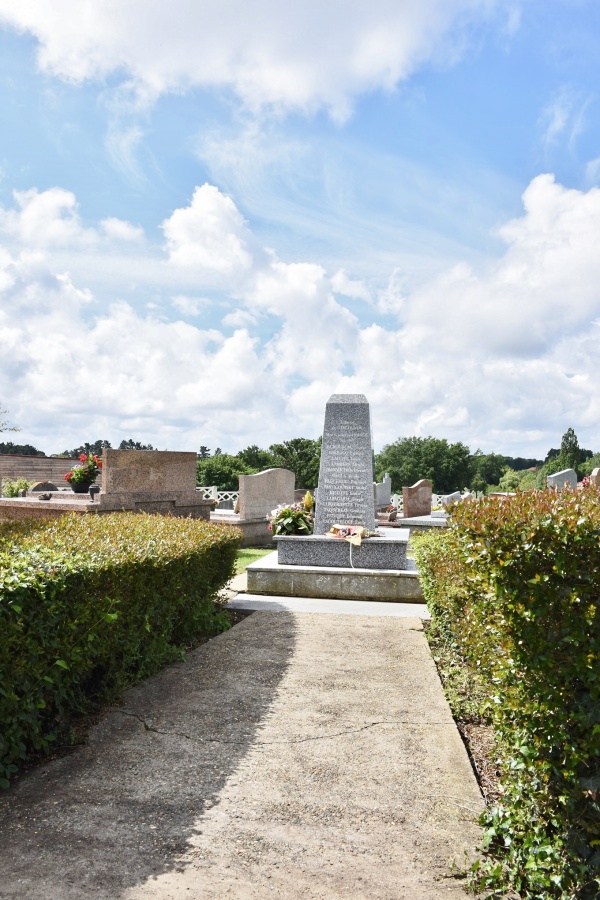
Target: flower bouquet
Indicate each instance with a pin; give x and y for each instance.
(293, 518)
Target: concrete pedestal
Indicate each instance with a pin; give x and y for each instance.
(268, 576)
(387, 551)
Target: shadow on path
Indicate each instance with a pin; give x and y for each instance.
(122, 808)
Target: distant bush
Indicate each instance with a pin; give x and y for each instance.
(516, 581)
(91, 604)
(12, 488)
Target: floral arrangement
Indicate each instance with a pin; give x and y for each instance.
(294, 518)
(88, 470)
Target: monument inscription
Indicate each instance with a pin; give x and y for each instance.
(345, 494)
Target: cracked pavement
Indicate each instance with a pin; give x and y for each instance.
(297, 755)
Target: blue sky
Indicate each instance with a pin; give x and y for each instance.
(215, 215)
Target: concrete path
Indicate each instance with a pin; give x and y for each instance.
(299, 755)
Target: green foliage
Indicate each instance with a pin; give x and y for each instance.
(516, 584)
(591, 463)
(256, 459)
(569, 450)
(302, 456)
(487, 468)
(518, 463)
(134, 445)
(510, 481)
(91, 604)
(12, 488)
(10, 449)
(407, 460)
(222, 470)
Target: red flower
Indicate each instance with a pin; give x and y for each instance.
(68, 476)
(82, 457)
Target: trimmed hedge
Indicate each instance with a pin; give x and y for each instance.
(91, 604)
(516, 581)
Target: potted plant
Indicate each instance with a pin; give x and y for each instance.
(82, 476)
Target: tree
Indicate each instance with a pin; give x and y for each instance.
(4, 426)
(94, 449)
(203, 452)
(302, 456)
(223, 471)
(569, 450)
(588, 466)
(11, 449)
(447, 466)
(487, 468)
(257, 459)
(134, 445)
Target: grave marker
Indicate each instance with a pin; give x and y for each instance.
(345, 494)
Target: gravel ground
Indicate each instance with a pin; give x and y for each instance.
(297, 755)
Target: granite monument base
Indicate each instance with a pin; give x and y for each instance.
(387, 551)
(268, 576)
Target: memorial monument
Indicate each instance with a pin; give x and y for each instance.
(345, 494)
(345, 497)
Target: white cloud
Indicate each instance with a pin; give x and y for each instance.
(50, 220)
(504, 357)
(271, 54)
(120, 230)
(209, 235)
(190, 306)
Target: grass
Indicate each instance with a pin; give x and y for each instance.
(249, 555)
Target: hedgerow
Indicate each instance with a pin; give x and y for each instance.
(91, 604)
(516, 582)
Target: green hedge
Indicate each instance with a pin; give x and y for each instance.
(91, 604)
(516, 581)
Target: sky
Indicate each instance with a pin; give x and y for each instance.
(215, 214)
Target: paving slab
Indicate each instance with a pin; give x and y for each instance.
(299, 755)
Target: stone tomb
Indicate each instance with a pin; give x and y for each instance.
(595, 477)
(344, 497)
(153, 481)
(259, 495)
(567, 478)
(416, 500)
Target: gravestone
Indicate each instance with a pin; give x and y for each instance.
(567, 478)
(264, 491)
(595, 477)
(416, 500)
(42, 486)
(345, 494)
(447, 499)
(383, 492)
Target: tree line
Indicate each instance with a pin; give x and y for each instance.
(450, 467)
